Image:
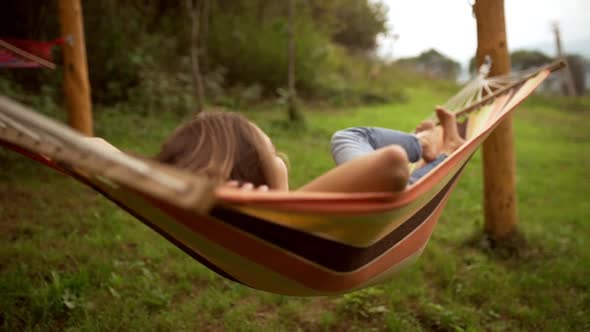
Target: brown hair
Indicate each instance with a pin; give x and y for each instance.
(221, 145)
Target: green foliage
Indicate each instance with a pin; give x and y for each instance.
(30, 19)
(140, 51)
(364, 304)
(42, 100)
(525, 59)
(47, 297)
(161, 91)
(354, 24)
(254, 52)
(578, 67)
(350, 78)
(133, 47)
(434, 64)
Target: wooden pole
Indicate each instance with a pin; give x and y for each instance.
(76, 83)
(499, 162)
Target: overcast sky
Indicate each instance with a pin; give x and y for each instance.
(449, 26)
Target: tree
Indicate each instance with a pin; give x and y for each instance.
(205, 13)
(525, 59)
(577, 66)
(354, 24)
(295, 114)
(194, 11)
(434, 64)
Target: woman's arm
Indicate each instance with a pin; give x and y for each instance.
(385, 169)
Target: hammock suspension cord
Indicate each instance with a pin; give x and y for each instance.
(482, 89)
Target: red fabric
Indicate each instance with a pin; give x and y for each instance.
(41, 49)
(11, 60)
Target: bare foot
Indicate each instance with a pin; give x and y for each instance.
(451, 140)
(430, 137)
(425, 125)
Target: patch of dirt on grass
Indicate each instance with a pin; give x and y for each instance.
(515, 250)
(14, 203)
(313, 310)
(265, 312)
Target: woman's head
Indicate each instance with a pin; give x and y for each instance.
(225, 146)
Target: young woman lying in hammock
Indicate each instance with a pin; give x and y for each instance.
(228, 147)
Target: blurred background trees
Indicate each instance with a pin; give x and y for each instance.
(351, 23)
(578, 66)
(434, 64)
(140, 51)
(580, 70)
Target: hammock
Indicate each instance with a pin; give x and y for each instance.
(19, 53)
(292, 243)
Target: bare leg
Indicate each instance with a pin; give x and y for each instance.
(451, 139)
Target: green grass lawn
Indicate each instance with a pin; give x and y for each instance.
(70, 260)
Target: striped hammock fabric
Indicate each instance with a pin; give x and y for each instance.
(292, 243)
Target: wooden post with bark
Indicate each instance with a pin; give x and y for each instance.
(499, 162)
(194, 10)
(76, 83)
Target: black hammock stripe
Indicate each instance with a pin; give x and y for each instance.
(328, 253)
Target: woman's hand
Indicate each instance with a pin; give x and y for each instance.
(246, 186)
